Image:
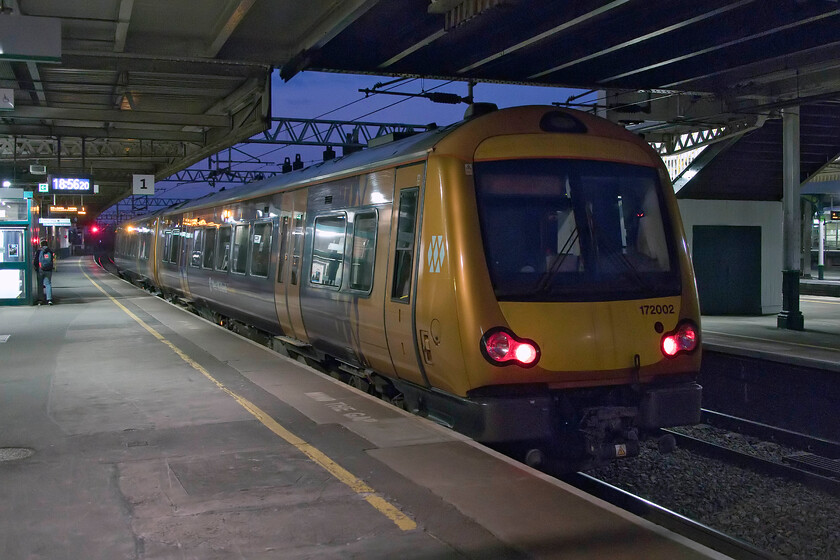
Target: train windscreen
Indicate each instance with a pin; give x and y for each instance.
(572, 230)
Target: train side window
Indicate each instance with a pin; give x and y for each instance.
(404, 248)
(239, 259)
(209, 247)
(260, 249)
(297, 246)
(223, 248)
(364, 252)
(175, 246)
(328, 251)
(198, 247)
(284, 235)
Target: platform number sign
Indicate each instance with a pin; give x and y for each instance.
(143, 184)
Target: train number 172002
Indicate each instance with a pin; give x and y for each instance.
(657, 309)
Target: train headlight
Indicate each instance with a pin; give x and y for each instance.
(685, 339)
(501, 348)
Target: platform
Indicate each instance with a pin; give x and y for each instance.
(157, 434)
(817, 346)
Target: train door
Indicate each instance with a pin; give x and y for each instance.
(194, 260)
(183, 257)
(399, 295)
(157, 245)
(290, 263)
(281, 284)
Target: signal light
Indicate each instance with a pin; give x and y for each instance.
(685, 339)
(501, 347)
(94, 229)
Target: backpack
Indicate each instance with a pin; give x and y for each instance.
(45, 260)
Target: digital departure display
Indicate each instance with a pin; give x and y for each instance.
(59, 184)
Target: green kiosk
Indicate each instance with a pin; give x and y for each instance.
(17, 276)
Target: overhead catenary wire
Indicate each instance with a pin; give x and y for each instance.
(393, 84)
(360, 116)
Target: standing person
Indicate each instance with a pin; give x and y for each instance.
(44, 264)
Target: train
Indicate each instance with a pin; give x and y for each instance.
(521, 276)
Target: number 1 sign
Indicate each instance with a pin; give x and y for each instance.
(143, 184)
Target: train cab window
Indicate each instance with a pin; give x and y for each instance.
(241, 233)
(404, 247)
(197, 248)
(328, 251)
(297, 246)
(209, 247)
(567, 230)
(284, 236)
(175, 246)
(260, 249)
(223, 248)
(364, 252)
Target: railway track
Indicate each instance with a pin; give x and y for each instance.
(827, 484)
(775, 466)
(697, 532)
(819, 446)
(816, 467)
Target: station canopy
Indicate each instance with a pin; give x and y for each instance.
(115, 88)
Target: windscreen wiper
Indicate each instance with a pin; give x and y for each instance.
(544, 282)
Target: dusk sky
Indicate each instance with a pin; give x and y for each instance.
(337, 97)
(309, 94)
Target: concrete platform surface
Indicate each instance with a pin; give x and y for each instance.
(818, 345)
(156, 434)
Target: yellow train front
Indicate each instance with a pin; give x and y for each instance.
(555, 305)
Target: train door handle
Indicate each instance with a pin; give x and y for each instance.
(426, 346)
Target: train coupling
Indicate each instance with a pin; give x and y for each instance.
(609, 433)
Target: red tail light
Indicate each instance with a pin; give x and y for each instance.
(501, 347)
(685, 339)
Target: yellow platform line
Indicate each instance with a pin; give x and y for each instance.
(356, 484)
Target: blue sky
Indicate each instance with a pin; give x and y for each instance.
(337, 97)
